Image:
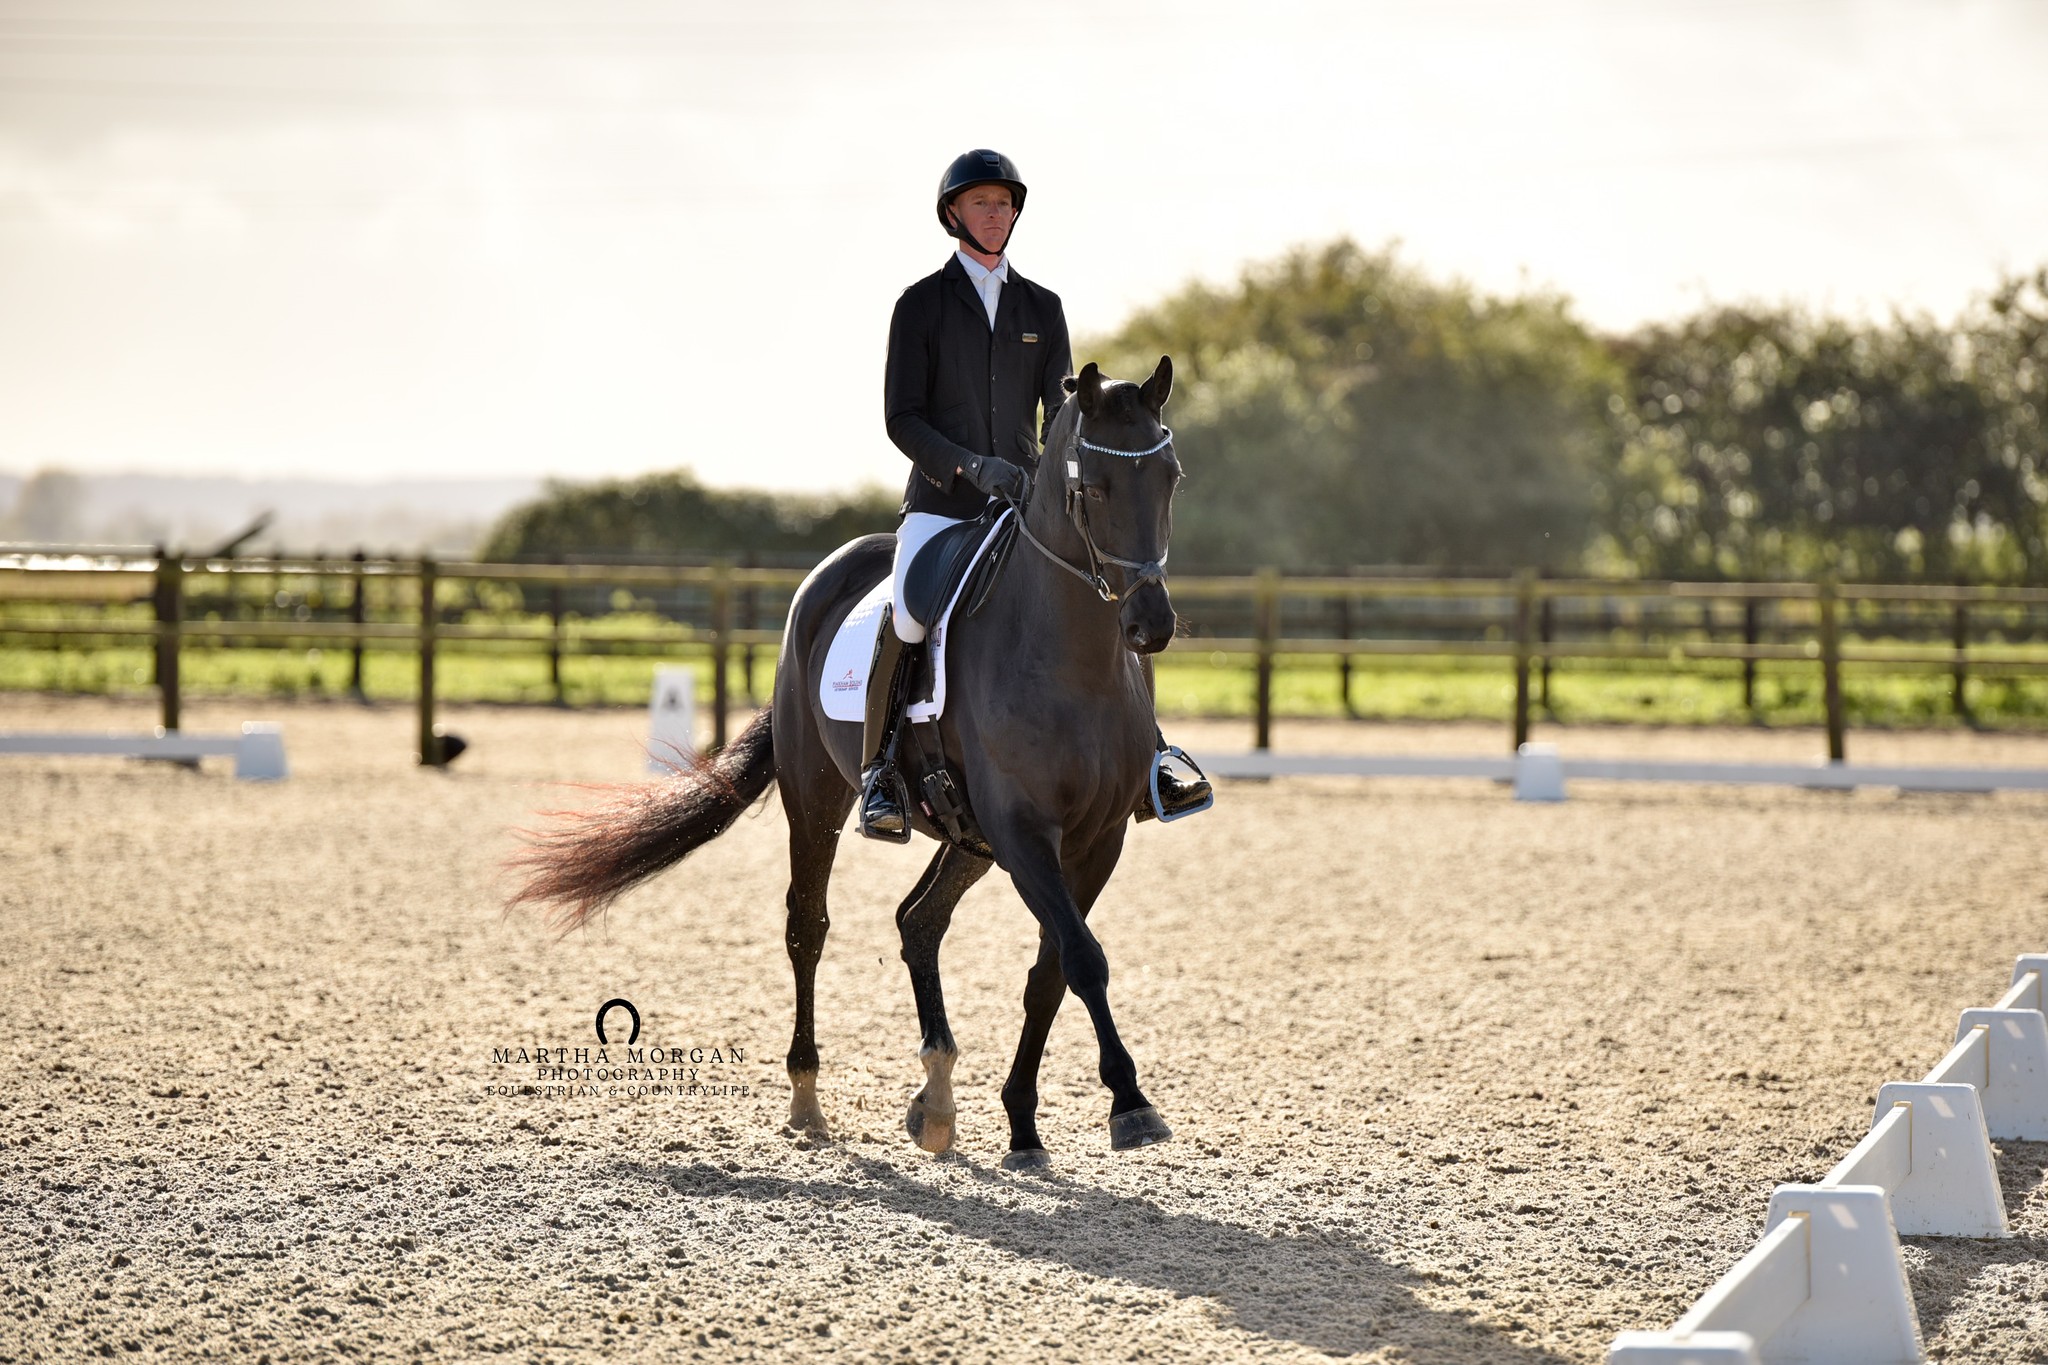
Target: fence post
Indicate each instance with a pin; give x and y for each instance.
(357, 615)
(555, 642)
(721, 645)
(750, 603)
(1749, 639)
(170, 615)
(430, 743)
(1343, 606)
(1266, 626)
(1831, 667)
(1961, 637)
(1525, 623)
(1546, 632)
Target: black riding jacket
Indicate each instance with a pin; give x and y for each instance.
(955, 388)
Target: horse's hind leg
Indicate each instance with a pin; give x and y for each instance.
(815, 820)
(921, 922)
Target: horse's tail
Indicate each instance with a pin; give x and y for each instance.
(587, 859)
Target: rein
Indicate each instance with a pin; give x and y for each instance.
(1147, 571)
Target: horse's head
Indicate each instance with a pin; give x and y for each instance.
(1117, 467)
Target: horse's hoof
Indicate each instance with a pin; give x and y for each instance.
(1139, 1128)
(808, 1126)
(928, 1128)
(1029, 1159)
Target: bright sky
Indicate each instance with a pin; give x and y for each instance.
(381, 240)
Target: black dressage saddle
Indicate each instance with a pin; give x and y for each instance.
(948, 559)
(948, 563)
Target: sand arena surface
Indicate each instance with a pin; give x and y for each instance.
(1453, 1079)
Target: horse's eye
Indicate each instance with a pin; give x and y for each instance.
(1094, 493)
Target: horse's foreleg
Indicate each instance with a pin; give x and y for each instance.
(1062, 916)
(1044, 989)
(921, 923)
(813, 840)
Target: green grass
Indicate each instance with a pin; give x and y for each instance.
(460, 675)
(1190, 684)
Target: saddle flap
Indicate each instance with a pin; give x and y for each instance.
(941, 564)
(982, 574)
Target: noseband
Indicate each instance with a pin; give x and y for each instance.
(1145, 571)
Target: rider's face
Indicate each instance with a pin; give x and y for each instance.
(985, 211)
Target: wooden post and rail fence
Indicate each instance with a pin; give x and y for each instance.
(1531, 624)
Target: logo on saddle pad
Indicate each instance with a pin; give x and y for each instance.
(847, 682)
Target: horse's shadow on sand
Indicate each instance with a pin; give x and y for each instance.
(1332, 1295)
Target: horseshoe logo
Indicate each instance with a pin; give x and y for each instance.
(632, 1037)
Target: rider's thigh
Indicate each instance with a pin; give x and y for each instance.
(917, 529)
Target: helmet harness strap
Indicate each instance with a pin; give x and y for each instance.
(958, 228)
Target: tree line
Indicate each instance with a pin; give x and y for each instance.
(1337, 407)
(672, 515)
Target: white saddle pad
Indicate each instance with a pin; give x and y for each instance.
(843, 690)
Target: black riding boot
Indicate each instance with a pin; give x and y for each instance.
(1176, 797)
(883, 799)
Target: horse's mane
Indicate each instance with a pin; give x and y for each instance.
(1066, 421)
(1124, 400)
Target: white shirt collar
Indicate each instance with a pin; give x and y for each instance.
(977, 272)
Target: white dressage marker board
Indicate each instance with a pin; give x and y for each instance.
(672, 720)
(1540, 774)
(1827, 1285)
(258, 751)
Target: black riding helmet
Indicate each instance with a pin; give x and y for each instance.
(979, 167)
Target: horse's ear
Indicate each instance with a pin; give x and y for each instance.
(1088, 388)
(1159, 387)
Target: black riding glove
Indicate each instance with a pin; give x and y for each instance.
(996, 477)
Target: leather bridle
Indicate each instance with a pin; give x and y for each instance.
(1076, 501)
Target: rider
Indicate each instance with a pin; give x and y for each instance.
(975, 350)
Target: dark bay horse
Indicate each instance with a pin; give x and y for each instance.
(1048, 717)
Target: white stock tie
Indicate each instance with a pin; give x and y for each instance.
(991, 290)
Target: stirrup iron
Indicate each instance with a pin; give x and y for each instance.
(894, 779)
(1179, 755)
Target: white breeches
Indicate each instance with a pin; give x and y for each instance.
(911, 536)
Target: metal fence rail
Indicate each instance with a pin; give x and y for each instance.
(1530, 623)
